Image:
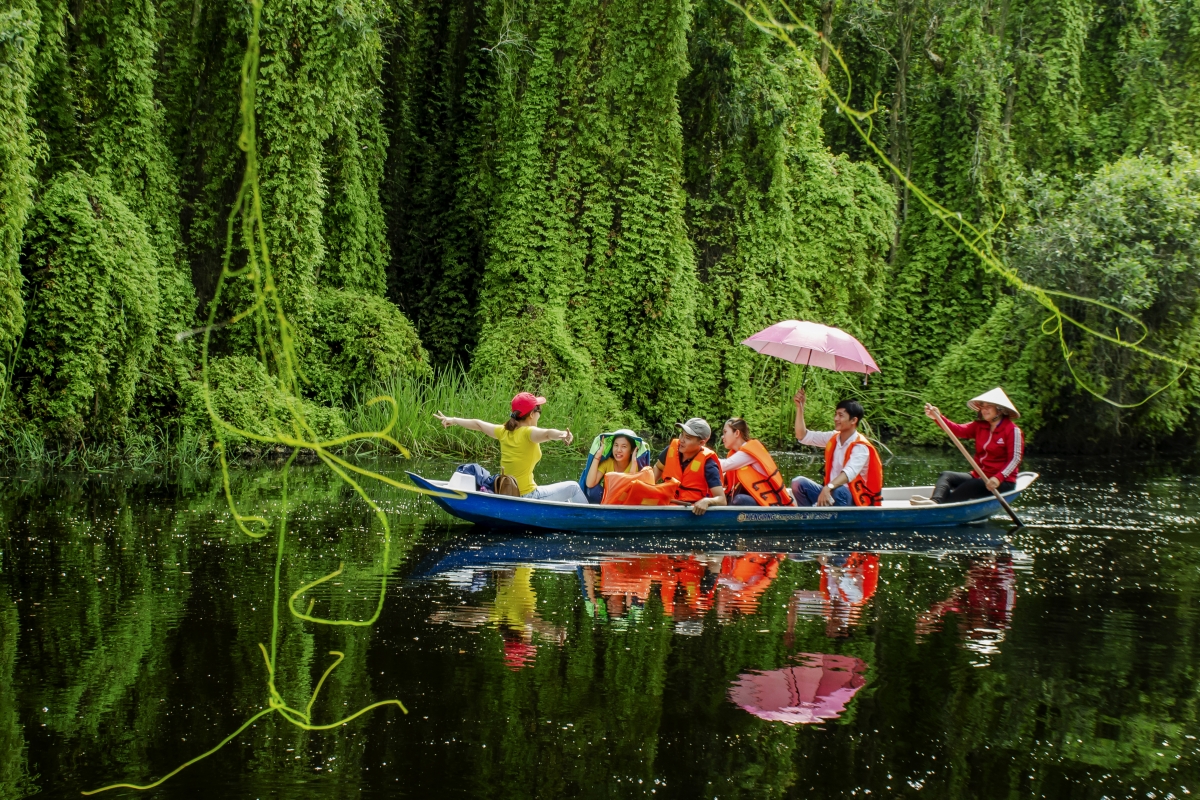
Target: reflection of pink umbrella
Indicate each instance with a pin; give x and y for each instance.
(813, 344)
(818, 689)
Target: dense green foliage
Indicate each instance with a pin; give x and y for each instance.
(600, 201)
(95, 316)
(18, 43)
(1126, 236)
(993, 105)
(783, 229)
(360, 340)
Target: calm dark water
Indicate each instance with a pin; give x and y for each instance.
(1055, 661)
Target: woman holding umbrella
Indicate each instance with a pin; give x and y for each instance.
(999, 447)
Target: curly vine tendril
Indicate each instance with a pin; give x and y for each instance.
(274, 335)
(976, 239)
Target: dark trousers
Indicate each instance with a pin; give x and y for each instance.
(954, 487)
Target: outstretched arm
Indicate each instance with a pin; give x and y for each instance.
(539, 435)
(483, 426)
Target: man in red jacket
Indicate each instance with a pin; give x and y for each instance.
(999, 447)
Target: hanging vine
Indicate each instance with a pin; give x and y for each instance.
(274, 333)
(979, 240)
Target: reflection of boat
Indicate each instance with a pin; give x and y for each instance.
(517, 512)
(817, 689)
(457, 562)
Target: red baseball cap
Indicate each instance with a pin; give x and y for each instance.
(526, 402)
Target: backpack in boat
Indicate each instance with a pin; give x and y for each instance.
(506, 485)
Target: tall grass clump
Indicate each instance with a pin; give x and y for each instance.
(457, 393)
(167, 446)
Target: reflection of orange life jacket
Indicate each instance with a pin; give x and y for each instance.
(766, 491)
(744, 579)
(867, 486)
(692, 484)
(635, 576)
(863, 568)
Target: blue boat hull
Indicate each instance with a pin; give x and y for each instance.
(498, 511)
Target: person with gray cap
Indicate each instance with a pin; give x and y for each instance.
(696, 467)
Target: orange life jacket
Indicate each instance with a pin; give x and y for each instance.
(867, 487)
(638, 489)
(692, 484)
(766, 491)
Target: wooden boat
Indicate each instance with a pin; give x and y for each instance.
(498, 511)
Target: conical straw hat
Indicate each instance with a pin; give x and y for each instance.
(996, 397)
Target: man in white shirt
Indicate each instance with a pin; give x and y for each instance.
(841, 471)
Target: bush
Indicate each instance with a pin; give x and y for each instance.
(360, 339)
(92, 308)
(1126, 236)
(245, 396)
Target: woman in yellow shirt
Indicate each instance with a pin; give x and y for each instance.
(520, 447)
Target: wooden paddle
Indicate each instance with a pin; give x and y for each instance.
(942, 424)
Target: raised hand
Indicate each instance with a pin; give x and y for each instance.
(799, 399)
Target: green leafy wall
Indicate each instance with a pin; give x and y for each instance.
(616, 196)
(783, 229)
(19, 25)
(985, 105)
(604, 199)
(123, 134)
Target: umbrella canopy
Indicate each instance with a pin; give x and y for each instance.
(814, 345)
(817, 689)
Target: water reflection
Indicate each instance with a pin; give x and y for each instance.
(714, 587)
(847, 584)
(1056, 663)
(513, 612)
(983, 605)
(688, 585)
(818, 688)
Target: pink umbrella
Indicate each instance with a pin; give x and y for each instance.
(813, 344)
(818, 689)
